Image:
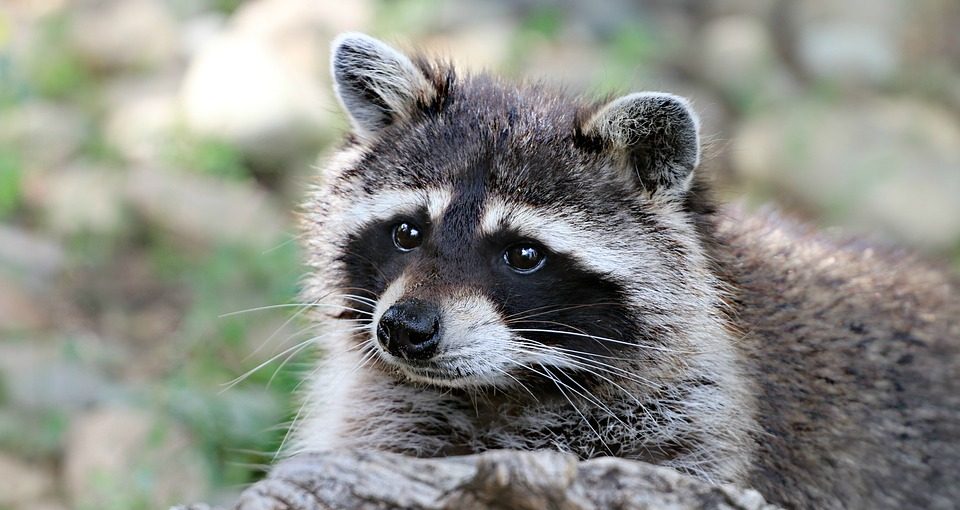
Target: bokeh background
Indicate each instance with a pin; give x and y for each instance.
(153, 152)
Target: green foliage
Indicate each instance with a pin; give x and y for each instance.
(55, 70)
(632, 47)
(237, 427)
(33, 433)
(404, 16)
(545, 20)
(205, 155)
(11, 185)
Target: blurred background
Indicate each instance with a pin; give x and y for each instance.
(153, 152)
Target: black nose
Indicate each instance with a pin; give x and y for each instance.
(410, 329)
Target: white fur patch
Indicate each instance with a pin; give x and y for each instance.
(387, 204)
(562, 233)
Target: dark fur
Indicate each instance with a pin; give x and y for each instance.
(854, 350)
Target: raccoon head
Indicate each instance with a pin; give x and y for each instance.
(484, 234)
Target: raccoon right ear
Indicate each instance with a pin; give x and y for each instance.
(376, 84)
(654, 135)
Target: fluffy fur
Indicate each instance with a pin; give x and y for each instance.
(738, 349)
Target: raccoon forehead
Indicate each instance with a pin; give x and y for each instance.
(390, 203)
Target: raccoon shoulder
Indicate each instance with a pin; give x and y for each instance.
(854, 354)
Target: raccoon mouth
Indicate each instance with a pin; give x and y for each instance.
(440, 374)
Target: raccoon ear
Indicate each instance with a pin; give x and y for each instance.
(376, 84)
(656, 135)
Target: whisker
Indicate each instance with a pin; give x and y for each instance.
(604, 339)
(575, 356)
(586, 422)
(553, 309)
(592, 369)
(288, 305)
(273, 358)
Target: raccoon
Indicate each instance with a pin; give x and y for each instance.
(496, 265)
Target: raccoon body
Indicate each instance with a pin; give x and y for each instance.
(504, 266)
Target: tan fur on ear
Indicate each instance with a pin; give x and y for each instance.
(376, 84)
(656, 133)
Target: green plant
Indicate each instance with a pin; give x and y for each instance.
(11, 182)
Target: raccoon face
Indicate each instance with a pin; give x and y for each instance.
(485, 235)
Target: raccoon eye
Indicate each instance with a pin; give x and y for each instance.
(523, 258)
(407, 236)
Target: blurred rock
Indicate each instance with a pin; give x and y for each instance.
(45, 134)
(122, 34)
(43, 505)
(205, 209)
(141, 117)
(261, 85)
(855, 41)
(475, 46)
(274, 18)
(35, 9)
(737, 55)
(877, 163)
(84, 198)
(22, 485)
(36, 376)
(758, 8)
(119, 458)
(196, 31)
(32, 259)
(19, 311)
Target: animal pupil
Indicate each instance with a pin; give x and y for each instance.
(523, 258)
(407, 236)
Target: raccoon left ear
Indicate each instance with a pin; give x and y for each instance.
(657, 135)
(376, 84)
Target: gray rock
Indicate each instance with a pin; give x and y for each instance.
(123, 458)
(84, 198)
(44, 134)
(30, 259)
(856, 41)
(206, 210)
(123, 34)
(22, 485)
(491, 480)
(141, 118)
(261, 84)
(19, 310)
(737, 55)
(37, 377)
(892, 166)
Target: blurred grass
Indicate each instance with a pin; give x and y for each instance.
(205, 155)
(11, 177)
(54, 70)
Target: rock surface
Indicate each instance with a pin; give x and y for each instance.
(872, 163)
(22, 484)
(205, 209)
(491, 480)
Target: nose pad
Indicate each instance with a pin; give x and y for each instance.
(410, 330)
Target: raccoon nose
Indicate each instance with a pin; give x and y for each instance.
(410, 330)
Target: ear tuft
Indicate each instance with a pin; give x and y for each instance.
(376, 84)
(655, 134)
